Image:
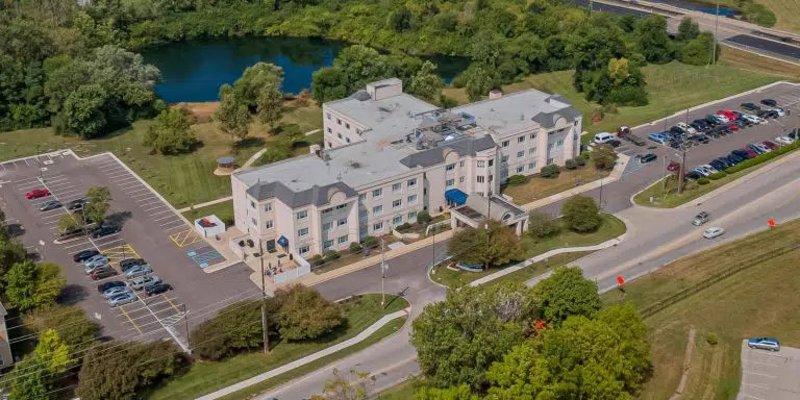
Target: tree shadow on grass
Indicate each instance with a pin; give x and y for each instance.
(248, 143)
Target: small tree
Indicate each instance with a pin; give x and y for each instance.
(99, 198)
(494, 246)
(235, 328)
(71, 323)
(564, 293)
(604, 157)
(549, 171)
(49, 284)
(30, 285)
(232, 116)
(305, 314)
(70, 222)
(423, 217)
(29, 380)
(541, 225)
(581, 214)
(171, 133)
(53, 352)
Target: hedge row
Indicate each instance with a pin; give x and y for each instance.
(762, 158)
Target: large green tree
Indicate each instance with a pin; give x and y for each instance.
(426, 83)
(171, 133)
(29, 380)
(84, 112)
(494, 245)
(459, 338)
(305, 314)
(652, 39)
(235, 328)
(565, 293)
(29, 285)
(581, 214)
(232, 116)
(259, 89)
(73, 326)
(53, 353)
(687, 30)
(98, 201)
(700, 50)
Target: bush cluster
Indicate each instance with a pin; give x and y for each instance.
(516, 179)
(762, 158)
(549, 171)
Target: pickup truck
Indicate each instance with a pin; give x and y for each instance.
(624, 132)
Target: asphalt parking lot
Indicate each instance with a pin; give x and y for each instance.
(770, 375)
(151, 229)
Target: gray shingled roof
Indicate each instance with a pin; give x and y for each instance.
(317, 195)
(467, 146)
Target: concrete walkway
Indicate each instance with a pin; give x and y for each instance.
(544, 256)
(307, 359)
(254, 157)
(208, 203)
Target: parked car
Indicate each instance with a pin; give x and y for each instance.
(686, 128)
(105, 229)
(138, 270)
(603, 137)
(769, 102)
(89, 269)
(614, 143)
(95, 259)
(728, 114)
(76, 204)
(701, 218)
(784, 140)
(750, 107)
(116, 291)
(157, 288)
(753, 119)
(713, 232)
(84, 255)
(103, 272)
(693, 175)
(709, 168)
(673, 166)
(779, 111)
(701, 171)
(110, 284)
(122, 299)
(50, 205)
(732, 126)
(718, 165)
(720, 118)
(764, 343)
(646, 158)
(758, 148)
(701, 138)
(140, 282)
(658, 137)
(794, 134)
(733, 159)
(770, 145)
(129, 263)
(37, 193)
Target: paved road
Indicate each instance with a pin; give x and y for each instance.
(741, 209)
(770, 376)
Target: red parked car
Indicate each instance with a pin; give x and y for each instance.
(728, 114)
(750, 153)
(37, 193)
(771, 145)
(733, 127)
(673, 166)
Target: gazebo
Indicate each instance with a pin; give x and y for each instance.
(225, 165)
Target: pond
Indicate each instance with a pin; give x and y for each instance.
(193, 71)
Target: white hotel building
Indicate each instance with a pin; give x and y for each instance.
(388, 155)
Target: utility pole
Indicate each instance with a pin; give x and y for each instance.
(383, 274)
(681, 170)
(186, 322)
(264, 324)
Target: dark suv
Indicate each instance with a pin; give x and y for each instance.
(105, 230)
(129, 263)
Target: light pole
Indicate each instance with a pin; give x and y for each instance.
(264, 323)
(716, 32)
(383, 274)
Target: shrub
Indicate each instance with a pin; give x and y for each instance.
(316, 260)
(711, 338)
(355, 247)
(331, 255)
(542, 225)
(516, 179)
(717, 175)
(703, 181)
(581, 214)
(234, 329)
(71, 323)
(423, 217)
(570, 164)
(581, 161)
(604, 157)
(403, 227)
(369, 242)
(305, 314)
(549, 171)
(585, 155)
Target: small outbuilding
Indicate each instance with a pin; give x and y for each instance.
(225, 166)
(209, 226)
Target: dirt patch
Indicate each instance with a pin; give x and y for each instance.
(201, 112)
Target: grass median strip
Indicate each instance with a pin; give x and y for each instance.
(538, 188)
(667, 196)
(738, 290)
(205, 377)
(610, 228)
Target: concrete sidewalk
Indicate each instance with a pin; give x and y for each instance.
(307, 359)
(544, 256)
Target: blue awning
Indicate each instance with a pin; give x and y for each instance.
(283, 241)
(455, 196)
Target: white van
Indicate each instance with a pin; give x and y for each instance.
(603, 137)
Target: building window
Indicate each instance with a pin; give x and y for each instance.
(330, 132)
(268, 224)
(533, 136)
(412, 199)
(252, 204)
(532, 150)
(450, 182)
(520, 169)
(412, 217)
(532, 165)
(268, 207)
(341, 222)
(521, 154)
(253, 221)
(550, 146)
(347, 125)
(412, 183)
(491, 162)
(397, 220)
(339, 135)
(550, 160)
(327, 211)
(377, 193)
(397, 204)
(491, 177)
(328, 115)
(327, 244)
(377, 210)
(362, 197)
(377, 226)
(461, 164)
(341, 206)
(480, 178)
(302, 214)
(338, 121)
(521, 139)
(461, 179)
(504, 143)
(329, 144)
(303, 250)
(504, 159)
(347, 139)
(450, 167)
(327, 226)
(342, 239)
(481, 163)
(397, 187)
(560, 142)
(302, 232)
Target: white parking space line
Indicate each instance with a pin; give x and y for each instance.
(179, 222)
(128, 185)
(82, 242)
(125, 180)
(163, 218)
(143, 196)
(152, 211)
(117, 173)
(148, 202)
(160, 212)
(175, 227)
(141, 189)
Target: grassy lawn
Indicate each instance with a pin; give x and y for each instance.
(223, 211)
(183, 179)
(671, 87)
(538, 188)
(752, 62)
(668, 197)
(787, 13)
(205, 377)
(403, 391)
(610, 228)
(756, 300)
